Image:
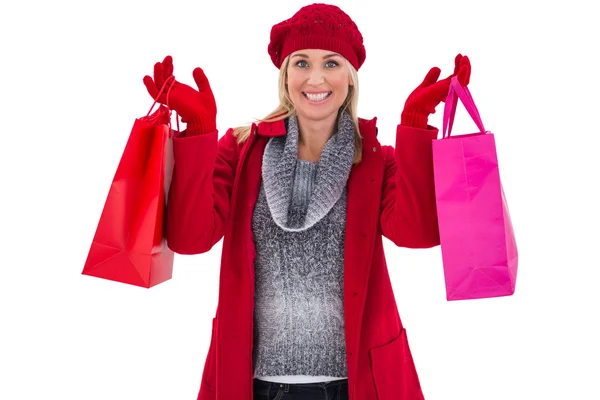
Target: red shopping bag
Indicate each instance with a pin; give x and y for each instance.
(129, 244)
(479, 249)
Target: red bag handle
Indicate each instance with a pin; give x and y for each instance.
(170, 79)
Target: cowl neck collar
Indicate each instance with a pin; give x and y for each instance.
(333, 168)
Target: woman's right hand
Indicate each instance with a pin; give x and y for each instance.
(197, 108)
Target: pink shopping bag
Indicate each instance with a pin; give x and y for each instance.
(479, 250)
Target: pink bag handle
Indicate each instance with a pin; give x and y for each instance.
(457, 91)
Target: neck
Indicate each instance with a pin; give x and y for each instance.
(313, 135)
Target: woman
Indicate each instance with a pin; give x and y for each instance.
(302, 199)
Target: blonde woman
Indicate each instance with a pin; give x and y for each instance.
(302, 199)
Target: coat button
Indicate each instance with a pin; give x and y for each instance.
(374, 149)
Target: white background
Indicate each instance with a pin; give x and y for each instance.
(72, 88)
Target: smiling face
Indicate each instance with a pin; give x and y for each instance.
(317, 82)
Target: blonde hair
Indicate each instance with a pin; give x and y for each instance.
(286, 108)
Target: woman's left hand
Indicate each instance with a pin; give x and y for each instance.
(431, 92)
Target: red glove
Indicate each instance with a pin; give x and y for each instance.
(197, 108)
(426, 97)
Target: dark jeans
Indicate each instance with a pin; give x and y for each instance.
(336, 390)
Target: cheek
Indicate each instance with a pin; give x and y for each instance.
(341, 83)
(293, 81)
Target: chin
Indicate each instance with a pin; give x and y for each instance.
(316, 115)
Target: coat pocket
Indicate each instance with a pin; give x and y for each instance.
(394, 371)
(209, 376)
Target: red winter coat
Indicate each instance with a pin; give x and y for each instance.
(214, 188)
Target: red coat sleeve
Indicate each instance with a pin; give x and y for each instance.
(409, 214)
(199, 196)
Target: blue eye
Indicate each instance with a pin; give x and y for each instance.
(329, 64)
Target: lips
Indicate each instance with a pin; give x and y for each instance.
(316, 97)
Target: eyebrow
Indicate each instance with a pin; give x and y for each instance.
(324, 57)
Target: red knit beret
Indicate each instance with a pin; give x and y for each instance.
(317, 26)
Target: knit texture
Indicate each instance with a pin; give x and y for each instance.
(279, 164)
(414, 118)
(304, 182)
(299, 264)
(317, 26)
(200, 126)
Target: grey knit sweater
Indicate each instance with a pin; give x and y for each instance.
(299, 226)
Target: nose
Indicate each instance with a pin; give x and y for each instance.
(316, 77)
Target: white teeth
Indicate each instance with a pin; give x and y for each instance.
(317, 97)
